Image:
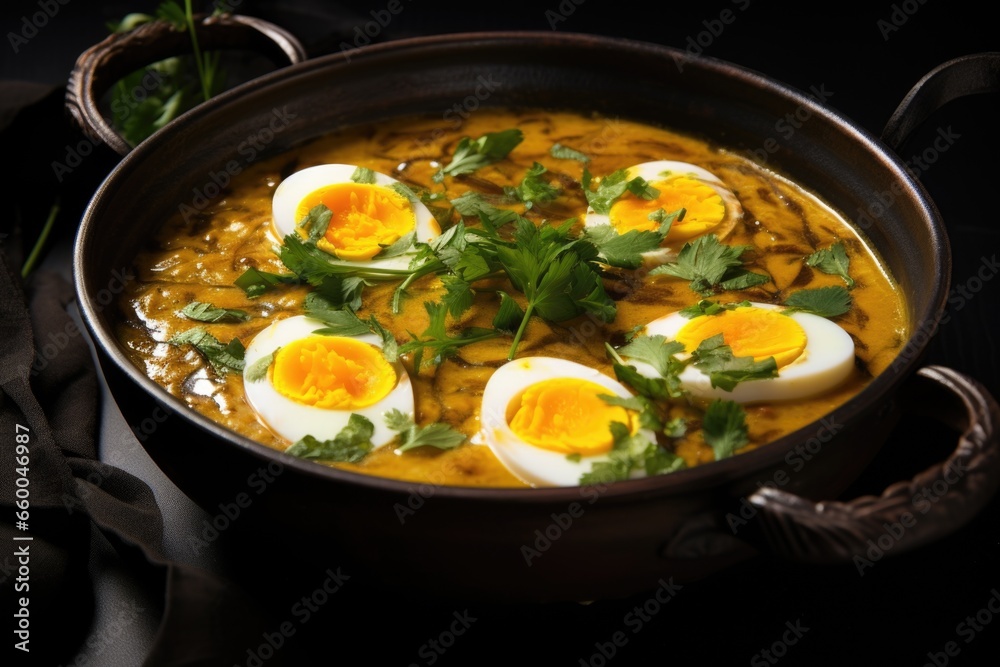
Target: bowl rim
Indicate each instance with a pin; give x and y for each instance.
(708, 475)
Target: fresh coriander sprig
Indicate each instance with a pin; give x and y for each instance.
(223, 358)
(834, 261)
(438, 435)
(711, 265)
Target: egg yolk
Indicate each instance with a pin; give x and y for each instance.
(566, 415)
(365, 218)
(332, 372)
(750, 332)
(704, 209)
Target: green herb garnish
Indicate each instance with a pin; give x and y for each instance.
(613, 186)
(257, 371)
(412, 436)
(631, 452)
(363, 175)
(561, 152)
(533, 188)
(724, 427)
(436, 340)
(833, 260)
(487, 149)
(223, 358)
(254, 282)
(206, 312)
(709, 264)
(316, 222)
(823, 301)
(351, 445)
(725, 370)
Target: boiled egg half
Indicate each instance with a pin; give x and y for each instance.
(366, 217)
(710, 206)
(544, 419)
(315, 382)
(812, 353)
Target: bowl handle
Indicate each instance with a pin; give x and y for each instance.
(968, 75)
(101, 66)
(933, 504)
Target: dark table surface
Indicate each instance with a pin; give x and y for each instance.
(904, 611)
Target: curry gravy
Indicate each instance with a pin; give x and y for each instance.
(197, 259)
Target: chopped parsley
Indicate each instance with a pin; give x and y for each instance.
(223, 358)
(823, 301)
(351, 445)
(257, 371)
(487, 149)
(206, 312)
(725, 370)
(631, 452)
(561, 152)
(412, 436)
(363, 175)
(533, 188)
(316, 222)
(436, 340)
(724, 427)
(254, 282)
(613, 186)
(709, 264)
(833, 260)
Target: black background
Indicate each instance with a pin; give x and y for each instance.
(903, 609)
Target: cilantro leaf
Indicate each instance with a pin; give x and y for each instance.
(487, 149)
(724, 427)
(833, 260)
(257, 371)
(363, 175)
(631, 452)
(707, 263)
(509, 314)
(561, 152)
(458, 295)
(401, 247)
(474, 203)
(622, 250)
(316, 222)
(436, 435)
(648, 415)
(823, 301)
(223, 358)
(206, 312)
(335, 293)
(706, 307)
(726, 370)
(613, 186)
(657, 389)
(340, 323)
(254, 282)
(656, 351)
(533, 187)
(351, 445)
(390, 348)
(435, 337)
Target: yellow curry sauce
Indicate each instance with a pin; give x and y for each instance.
(197, 259)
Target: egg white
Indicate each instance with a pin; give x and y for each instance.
(826, 361)
(664, 170)
(292, 420)
(534, 465)
(291, 191)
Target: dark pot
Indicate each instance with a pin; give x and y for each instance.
(563, 543)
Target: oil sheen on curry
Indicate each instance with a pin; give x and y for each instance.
(523, 299)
